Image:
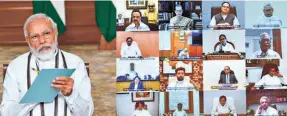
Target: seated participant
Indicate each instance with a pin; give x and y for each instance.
(132, 73)
(268, 19)
(136, 85)
(179, 111)
(224, 46)
(264, 109)
(137, 25)
(272, 78)
(139, 110)
(224, 18)
(183, 54)
(223, 109)
(180, 84)
(265, 52)
(130, 49)
(180, 21)
(227, 77)
(74, 97)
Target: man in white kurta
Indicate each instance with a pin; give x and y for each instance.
(137, 24)
(265, 52)
(271, 80)
(264, 109)
(141, 113)
(179, 111)
(183, 53)
(180, 83)
(268, 19)
(41, 35)
(223, 108)
(130, 49)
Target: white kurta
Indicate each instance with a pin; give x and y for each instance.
(132, 75)
(141, 113)
(228, 47)
(180, 85)
(183, 54)
(142, 27)
(270, 81)
(130, 51)
(272, 21)
(15, 87)
(219, 109)
(270, 55)
(268, 112)
(179, 113)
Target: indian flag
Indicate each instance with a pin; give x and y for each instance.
(54, 9)
(106, 18)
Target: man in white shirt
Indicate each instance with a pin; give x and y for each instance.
(264, 109)
(224, 46)
(140, 111)
(268, 19)
(74, 97)
(183, 54)
(137, 25)
(179, 111)
(224, 18)
(272, 79)
(180, 84)
(223, 109)
(132, 73)
(265, 52)
(130, 49)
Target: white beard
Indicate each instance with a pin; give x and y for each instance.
(45, 55)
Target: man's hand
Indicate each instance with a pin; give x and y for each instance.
(260, 109)
(64, 84)
(278, 74)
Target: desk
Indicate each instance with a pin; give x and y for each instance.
(223, 57)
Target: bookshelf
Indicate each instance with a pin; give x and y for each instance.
(191, 9)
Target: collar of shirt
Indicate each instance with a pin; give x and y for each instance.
(134, 25)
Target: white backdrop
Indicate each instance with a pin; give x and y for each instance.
(212, 70)
(210, 38)
(254, 9)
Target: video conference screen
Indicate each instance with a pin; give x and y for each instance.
(201, 57)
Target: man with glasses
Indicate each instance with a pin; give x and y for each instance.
(268, 19)
(224, 18)
(264, 109)
(179, 21)
(265, 52)
(151, 13)
(137, 24)
(74, 98)
(130, 49)
(272, 78)
(227, 77)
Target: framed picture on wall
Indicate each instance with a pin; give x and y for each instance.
(143, 96)
(136, 4)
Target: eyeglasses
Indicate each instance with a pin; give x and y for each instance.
(35, 37)
(225, 6)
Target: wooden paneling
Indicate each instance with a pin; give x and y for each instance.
(147, 42)
(277, 41)
(81, 27)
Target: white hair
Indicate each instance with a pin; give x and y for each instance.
(264, 97)
(267, 5)
(36, 16)
(262, 35)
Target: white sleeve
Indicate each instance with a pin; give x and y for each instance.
(236, 22)
(260, 82)
(80, 101)
(138, 51)
(123, 50)
(11, 97)
(233, 110)
(214, 111)
(277, 55)
(212, 22)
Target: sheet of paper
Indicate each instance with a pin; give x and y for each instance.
(41, 89)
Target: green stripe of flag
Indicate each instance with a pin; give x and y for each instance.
(47, 8)
(106, 19)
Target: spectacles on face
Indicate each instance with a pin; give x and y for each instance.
(45, 34)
